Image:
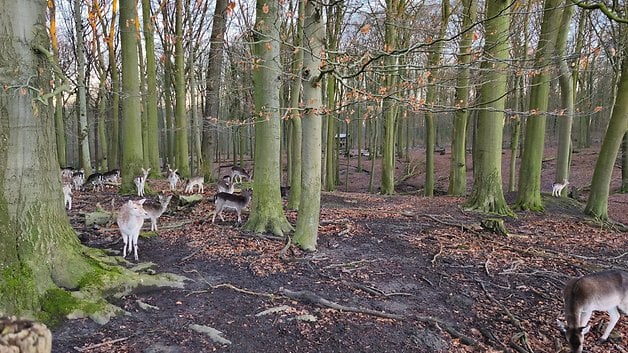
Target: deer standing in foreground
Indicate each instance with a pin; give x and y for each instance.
(557, 188)
(601, 291)
(173, 179)
(225, 185)
(155, 210)
(232, 201)
(130, 220)
(140, 181)
(195, 181)
(67, 196)
(239, 173)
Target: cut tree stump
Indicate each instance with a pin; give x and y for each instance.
(24, 336)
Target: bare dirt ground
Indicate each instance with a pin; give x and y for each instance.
(411, 274)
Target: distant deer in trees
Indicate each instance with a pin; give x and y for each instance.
(155, 210)
(232, 201)
(557, 188)
(130, 220)
(67, 196)
(140, 181)
(195, 181)
(237, 173)
(225, 185)
(601, 291)
(173, 179)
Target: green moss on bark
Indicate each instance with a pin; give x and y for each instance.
(17, 290)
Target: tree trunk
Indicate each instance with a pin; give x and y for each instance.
(86, 163)
(295, 116)
(458, 168)
(334, 22)
(306, 233)
(563, 159)
(58, 100)
(132, 152)
(394, 12)
(114, 145)
(597, 205)
(487, 194)
(266, 209)
(624, 165)
(152, 119)
(529, 196)
(181, 120)
(431, 100)
(214, 78)
(40, 249)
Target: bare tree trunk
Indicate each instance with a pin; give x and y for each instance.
(306, 233)
(58, 111)
(295, 117)
(181, 120)
(85, 157)
(152, 119)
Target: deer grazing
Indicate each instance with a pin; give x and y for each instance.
(557, 188)
(239, 173)
(232, 201)
(97, 181)
(225, 185)
(195, 181)
(140, 181)
(130, 220)
(112, 177)
(601, 291)
(173, 179)
(67, 196)
(155, 210)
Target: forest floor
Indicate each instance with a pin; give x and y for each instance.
(401, 273)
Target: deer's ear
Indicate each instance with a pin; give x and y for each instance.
(141, 202)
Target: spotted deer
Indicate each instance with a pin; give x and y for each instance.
(195, 181)
(557, 188)
(154, 210)
(601, 291)
(237, 173)
(225, 185)
(232, 201)
(130, 220)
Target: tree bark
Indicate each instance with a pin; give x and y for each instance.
(58, 99)
(458, 165)
(487, 194)
(132, 150)
(295, 116)
(181, 120)
(306, 233)
(266, 209)
(597, 205)
(152, 119)
(214, 78)
(85, 157)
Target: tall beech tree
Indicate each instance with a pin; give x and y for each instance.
(487, 194)
(152, 126)
(529, 195)
(181, 119)
(306, 233)
(266, 206)
(81, 99)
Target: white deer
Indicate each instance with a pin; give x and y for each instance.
(130, 220)
(173, 179)
(195, 181)
(67, 196)
(601, 291)
(140, 181)
(557, 188)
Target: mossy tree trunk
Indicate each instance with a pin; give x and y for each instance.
(394, 13)
(266, 207)
(58, 100)
(152, 119)
(306, 233)
(529, 196)
(563, 159)
(114, 143)
(624, 164)
(458, 168)
(81, 99)
(296, 130)
(431, 100)
(334, 23)
(213, 84)
(487, 194)
(597, 205)
(181, 119)
(132, 148)
(40, 250)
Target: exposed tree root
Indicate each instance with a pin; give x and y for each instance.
(313, 298)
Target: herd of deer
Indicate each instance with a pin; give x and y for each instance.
(600, 291)
(131, 216)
